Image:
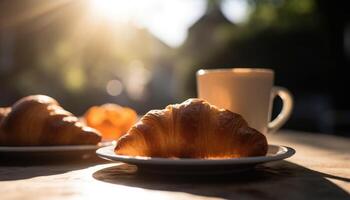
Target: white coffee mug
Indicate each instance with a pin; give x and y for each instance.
(247, 91)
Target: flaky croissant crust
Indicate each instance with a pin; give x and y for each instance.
(192, 129)
(40, 120)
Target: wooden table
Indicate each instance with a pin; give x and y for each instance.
(319, 170)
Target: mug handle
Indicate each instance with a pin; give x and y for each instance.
(287, 107)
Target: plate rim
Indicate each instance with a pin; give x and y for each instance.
(285, 153)
(53, 148)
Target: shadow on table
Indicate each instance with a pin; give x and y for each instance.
(15, 168)
(278, 180)
(328, 142)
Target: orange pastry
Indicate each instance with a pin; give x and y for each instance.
(192, 129)
(111, 120)
(3, 112)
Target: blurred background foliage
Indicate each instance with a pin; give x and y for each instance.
(144, 54)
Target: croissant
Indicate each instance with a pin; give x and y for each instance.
(192, 129)
(40, 120)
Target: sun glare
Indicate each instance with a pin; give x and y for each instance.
(168, 20)
(114, 10)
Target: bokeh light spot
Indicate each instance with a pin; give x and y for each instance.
(114, 87)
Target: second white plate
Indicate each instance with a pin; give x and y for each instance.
(13, 153)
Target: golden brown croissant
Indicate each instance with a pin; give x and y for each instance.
(40, 120)
(192, 129)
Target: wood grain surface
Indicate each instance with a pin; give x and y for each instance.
(319, 170)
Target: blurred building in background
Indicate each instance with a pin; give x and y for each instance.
(144, 54)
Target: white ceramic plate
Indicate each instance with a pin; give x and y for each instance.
(197, 166)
